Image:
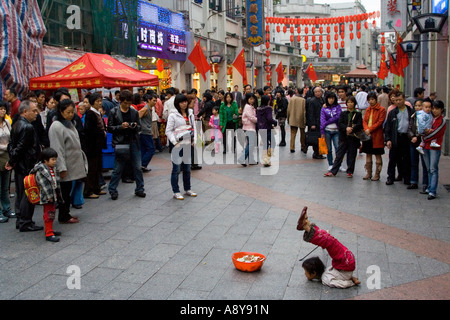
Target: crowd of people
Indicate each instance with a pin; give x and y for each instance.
(62, 142)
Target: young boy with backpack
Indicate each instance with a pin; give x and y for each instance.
(47, 180)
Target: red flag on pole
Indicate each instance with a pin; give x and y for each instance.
(383, 72)
(239, 64)
(392, 66)
(402, 57)
(197, 57)
(311, 73)
(280, 73)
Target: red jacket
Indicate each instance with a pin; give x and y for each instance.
(376, 130)
(342, 258)
(438, 129)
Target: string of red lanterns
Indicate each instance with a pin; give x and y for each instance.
(320, 25)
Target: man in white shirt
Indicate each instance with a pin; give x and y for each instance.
(361, 100)
(169, 104)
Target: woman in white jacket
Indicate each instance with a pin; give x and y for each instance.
(180, 130)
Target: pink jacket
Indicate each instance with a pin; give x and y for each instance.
(249, 118)
(215, 131)
(341, 257)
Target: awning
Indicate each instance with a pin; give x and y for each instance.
(94, 70)
(361, 71)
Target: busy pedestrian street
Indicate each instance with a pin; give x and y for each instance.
(161, 248)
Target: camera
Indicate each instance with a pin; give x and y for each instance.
(133, 125)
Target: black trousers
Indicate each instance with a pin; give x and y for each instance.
(24, 209)
(64, 208)
(400, 157)
(95, 166)
(348, 147)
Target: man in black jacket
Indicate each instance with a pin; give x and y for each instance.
(124, 124)
(397, 140)
(313, 109)
(24, 151)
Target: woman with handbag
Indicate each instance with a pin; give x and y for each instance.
(181, 130)
(350, 124)
(373, 127)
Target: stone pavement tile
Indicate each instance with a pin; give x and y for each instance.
(140, 271)
(117, 261)
(44, 289)
(159, 287)
(188, 294)
(203, 277)
(230, 290)
(162, 252)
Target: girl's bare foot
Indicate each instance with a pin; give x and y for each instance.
(355, 280)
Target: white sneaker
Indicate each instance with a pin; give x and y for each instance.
(191, 193)
(420, 150)
(330, 167)
(178, 196)
(342, 169)
(434, 145)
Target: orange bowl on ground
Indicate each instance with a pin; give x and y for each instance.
(248, 266)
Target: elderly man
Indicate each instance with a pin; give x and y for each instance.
(24, 152)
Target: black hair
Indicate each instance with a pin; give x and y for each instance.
(260, 92)
(4, 104)
(314, 265)
(126, 95)
(170, 91)
(93, 97)
(372, 95)
(353, 99)
(13, 91)
(137, 99)
(330, 94)
(418, 91)
(265, 99)
(48, 153)
(178, 99)
(207, 95)
(438, 104)
(64, 104)
(225, 97)
(216, 108)
(39, 92)
(251, 95)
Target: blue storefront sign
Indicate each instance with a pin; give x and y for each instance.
(440, 6)
(161, 42)
(255, 22)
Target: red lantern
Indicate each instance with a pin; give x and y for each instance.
(320, 54)
(160, 65)
(328, 54)
(299, 30)
(351, 36)
(306, 38)
(267, 28)
(328, 37)
(336, 37)
(321, 29)
(313, 38)
(292, 38)
(366, 25)
(358, 26)
(378, 14)
(278, 28)
(346, 19)
(328, 46)
(350, 27)
(267, 53)
(298, 38)
(284, 29)
(358, 34)
(268, 61)
(267, 36)
(320, 38)
(230, 71)
(328, 29)
(336, 45)
(268, 77)
(306, 46)
(342, 44)
(292, 29)
(313, 30)
(383, 49)
(314, 47)
(306, 30)
(216, 68)
(383, 39)
(267, 44)
(336, 29)
(342, 35)
(374, 23)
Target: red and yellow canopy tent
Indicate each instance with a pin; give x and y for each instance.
(328, 32)
(94, 70)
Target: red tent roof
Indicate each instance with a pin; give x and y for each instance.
(361, 71)
(95, 70)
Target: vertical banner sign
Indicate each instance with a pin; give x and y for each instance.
(393, 15)
(255, 22)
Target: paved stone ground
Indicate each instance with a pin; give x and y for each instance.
(161, 248)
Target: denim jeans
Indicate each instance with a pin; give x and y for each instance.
(331, 137)
(431, 158)
(119, 164)
(176, 168)
(415, 156)
(147, 148)
(250, 142)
